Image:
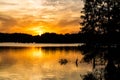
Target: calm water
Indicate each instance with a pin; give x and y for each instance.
(39, 62)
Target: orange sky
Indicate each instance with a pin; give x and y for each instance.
(40, 16)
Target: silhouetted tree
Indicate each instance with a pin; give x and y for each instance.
(101, 17)
(89, 76)
(44, 38)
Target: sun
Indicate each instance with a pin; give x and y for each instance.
(40, 33)
(37, 30)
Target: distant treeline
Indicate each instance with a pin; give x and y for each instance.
(60, 38)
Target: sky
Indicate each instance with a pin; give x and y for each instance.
(36, 17)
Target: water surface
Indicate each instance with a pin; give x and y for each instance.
(31, 62)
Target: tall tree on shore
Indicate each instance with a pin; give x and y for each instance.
(101, 16)
(101, 21)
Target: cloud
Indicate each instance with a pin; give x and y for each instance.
(53, 15)
(64, 4)
(7, 3)
(6, 22)
(68, 22)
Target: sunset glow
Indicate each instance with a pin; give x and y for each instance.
(39, 16)
(37, 54)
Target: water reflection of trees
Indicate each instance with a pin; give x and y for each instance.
(60, 48)
(105, 61)
(63, 61)
(67, 50)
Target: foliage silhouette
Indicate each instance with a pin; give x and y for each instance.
(89, 76)
(44, 38)
(101, 29)
(101, 19)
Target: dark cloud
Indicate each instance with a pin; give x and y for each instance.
(47, 13)
(7, 3)
(69, 22)
(54, 2)
(6, 22)
(4, 78)
(74, 5)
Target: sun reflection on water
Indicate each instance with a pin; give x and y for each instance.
(37, 63)
(37, 53)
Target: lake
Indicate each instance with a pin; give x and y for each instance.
(32, 61)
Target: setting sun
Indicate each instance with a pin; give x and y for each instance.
(37, 30)
(59, 39)
(28, 16)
